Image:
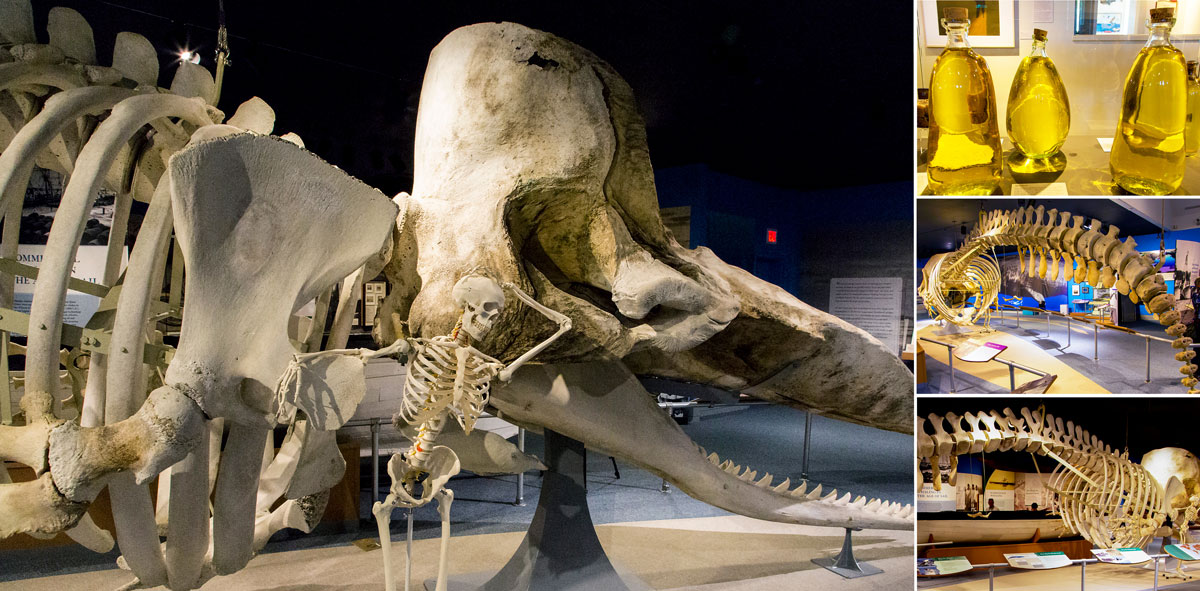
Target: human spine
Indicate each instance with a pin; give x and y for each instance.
(443, 377)
(1087, 255)
(1102, 495)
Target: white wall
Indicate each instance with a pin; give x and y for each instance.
(1092, 71)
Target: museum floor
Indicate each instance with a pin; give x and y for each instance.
(669, 541)
(1121, 367)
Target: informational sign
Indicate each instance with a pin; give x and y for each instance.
(870, 303)
(1000, 492)
(944, 565)
(1121, 555)
(89, 266)
(978, 351)
(1031, 493)
(1038, 560)
(930, 500)
(1183, 551)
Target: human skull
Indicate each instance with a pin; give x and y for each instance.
(481, 299)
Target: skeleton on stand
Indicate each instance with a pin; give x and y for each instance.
(447, 377)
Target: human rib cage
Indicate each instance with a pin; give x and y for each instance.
(1103, 496)
(1050, 249)
(111, 127)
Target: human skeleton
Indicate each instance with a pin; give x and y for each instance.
(447, 377)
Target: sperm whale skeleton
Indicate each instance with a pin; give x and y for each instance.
(541, 179)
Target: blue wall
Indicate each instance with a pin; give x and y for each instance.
(847, 232)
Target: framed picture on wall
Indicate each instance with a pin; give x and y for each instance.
(1075, 289)
(993, 22)
(1085, 289)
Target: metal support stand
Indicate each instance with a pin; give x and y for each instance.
(520, 502)
(666, 487)
(1147, 361)
(616, 470)
(1156, 574)
(807, 438)
(1095, 342)
(950, 357)
(1082, 574)
(844, 563)
(1012, 378)
(408, 553)
(561, 549)
(991, 577)
(1068, 331)
(1047, 325)
(375, 462)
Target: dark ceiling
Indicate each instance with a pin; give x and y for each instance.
(786, 93)
(1139, 423)
(940, 221)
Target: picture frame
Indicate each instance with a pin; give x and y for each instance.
(1085, 289)
(1075, 289)
(1000, 14)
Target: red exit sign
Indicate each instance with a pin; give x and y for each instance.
(772, 236)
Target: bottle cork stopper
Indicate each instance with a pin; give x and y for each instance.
(955, 14)
(1160, 15)
(1039, 35)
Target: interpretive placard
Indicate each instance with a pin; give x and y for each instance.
(89, 266)
(943, 565)
(1038, 560)
(870, 303)
(1121, 555)
(1184, 551)
(978, 351)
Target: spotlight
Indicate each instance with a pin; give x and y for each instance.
(189, 56)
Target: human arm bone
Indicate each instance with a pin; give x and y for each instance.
(564, 324)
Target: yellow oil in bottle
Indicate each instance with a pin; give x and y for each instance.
(1191, 130)
(1148, 147)
(964, 155)
(1039, 114)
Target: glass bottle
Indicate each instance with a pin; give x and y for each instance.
(1191, 131)
(964, 135)
(1147, 152)
(1038, 115)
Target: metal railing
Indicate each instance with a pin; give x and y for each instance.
(1082, 562)
(1012, 366)
(1096, 326)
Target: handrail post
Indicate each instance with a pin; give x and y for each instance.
(807, 439)
(1147, 360)
(520, 501)
(1068, 331)
(1012, 377)
(950, 356)
(1095, 341)
(375, 461)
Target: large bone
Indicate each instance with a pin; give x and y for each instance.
(238, 202)
(578, 174)
(586, 402)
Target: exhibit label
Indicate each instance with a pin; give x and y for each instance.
(1038, 560)
(89, 266)
(870, 303)
(1183, 551)
(944, 565)
(1121, 555)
